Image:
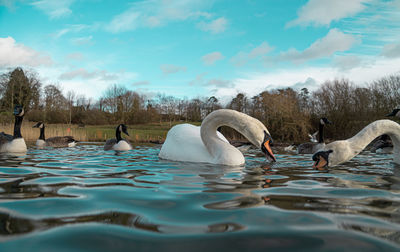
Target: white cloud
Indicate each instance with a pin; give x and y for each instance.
(141, 83)
(155, 13)
(242, 58)
(75, 56)
(54, 9)
(215, 26)
(171, 69)
(211, 58)
(70, 29)
(82, 40)
(323, 12)
(13, 54)
(219, 83)
(84, 74)
(126, 21)
(255, 83)
(334, 41)
(345, 63)
(391, 50)
(199, 80)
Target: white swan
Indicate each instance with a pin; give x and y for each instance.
(14, 143)
(118, 143)
(312, 147)
(186, 142)
(341, 151)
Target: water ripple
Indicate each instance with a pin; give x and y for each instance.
(65, 194)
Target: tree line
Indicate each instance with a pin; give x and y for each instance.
(288, 114)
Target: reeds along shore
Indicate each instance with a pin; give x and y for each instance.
(139, 134)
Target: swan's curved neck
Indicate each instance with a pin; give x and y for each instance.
(42, 137)
(373, 130)
(236, 120)
(17, 126)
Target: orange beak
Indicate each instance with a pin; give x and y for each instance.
(270, 154)
(321, 163)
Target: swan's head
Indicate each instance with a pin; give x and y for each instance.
(266, 147)
(395, 112)
(123, 128)
(19, 111)
(321, 159)
(333, 154)
(38, 125)
(324, 121)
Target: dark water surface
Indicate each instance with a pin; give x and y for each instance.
(86, 199)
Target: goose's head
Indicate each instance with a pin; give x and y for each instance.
(395, 112)
(38, 125)
(123, 128)
(19, 111)
(324, 121)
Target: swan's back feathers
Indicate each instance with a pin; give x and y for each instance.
(183, 143)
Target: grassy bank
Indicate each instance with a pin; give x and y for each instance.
(95, 133)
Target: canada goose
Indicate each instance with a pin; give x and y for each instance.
(57, 141)
(118, 143)
(341, 151)
(312, 147)
(186, 142)
(14, 143)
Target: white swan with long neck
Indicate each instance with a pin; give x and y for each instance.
(341, 151)
(186, 142)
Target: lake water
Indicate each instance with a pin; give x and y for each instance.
(87, 199)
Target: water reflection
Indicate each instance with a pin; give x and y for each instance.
(56, 188)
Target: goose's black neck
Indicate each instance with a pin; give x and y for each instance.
(321, 133)
(17, 127)
(118, 134)
(41, 137)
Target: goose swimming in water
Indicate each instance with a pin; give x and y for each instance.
(312, 147)
(186, 142)
(338, 152)
(57, 141)
(119, 143)
(14, 143)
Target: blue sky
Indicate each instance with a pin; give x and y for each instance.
(200, 48)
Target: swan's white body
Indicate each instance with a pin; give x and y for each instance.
(186, 142)
(17, 145)
(345, 150)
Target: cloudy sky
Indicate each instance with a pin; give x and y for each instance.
(191, 48)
